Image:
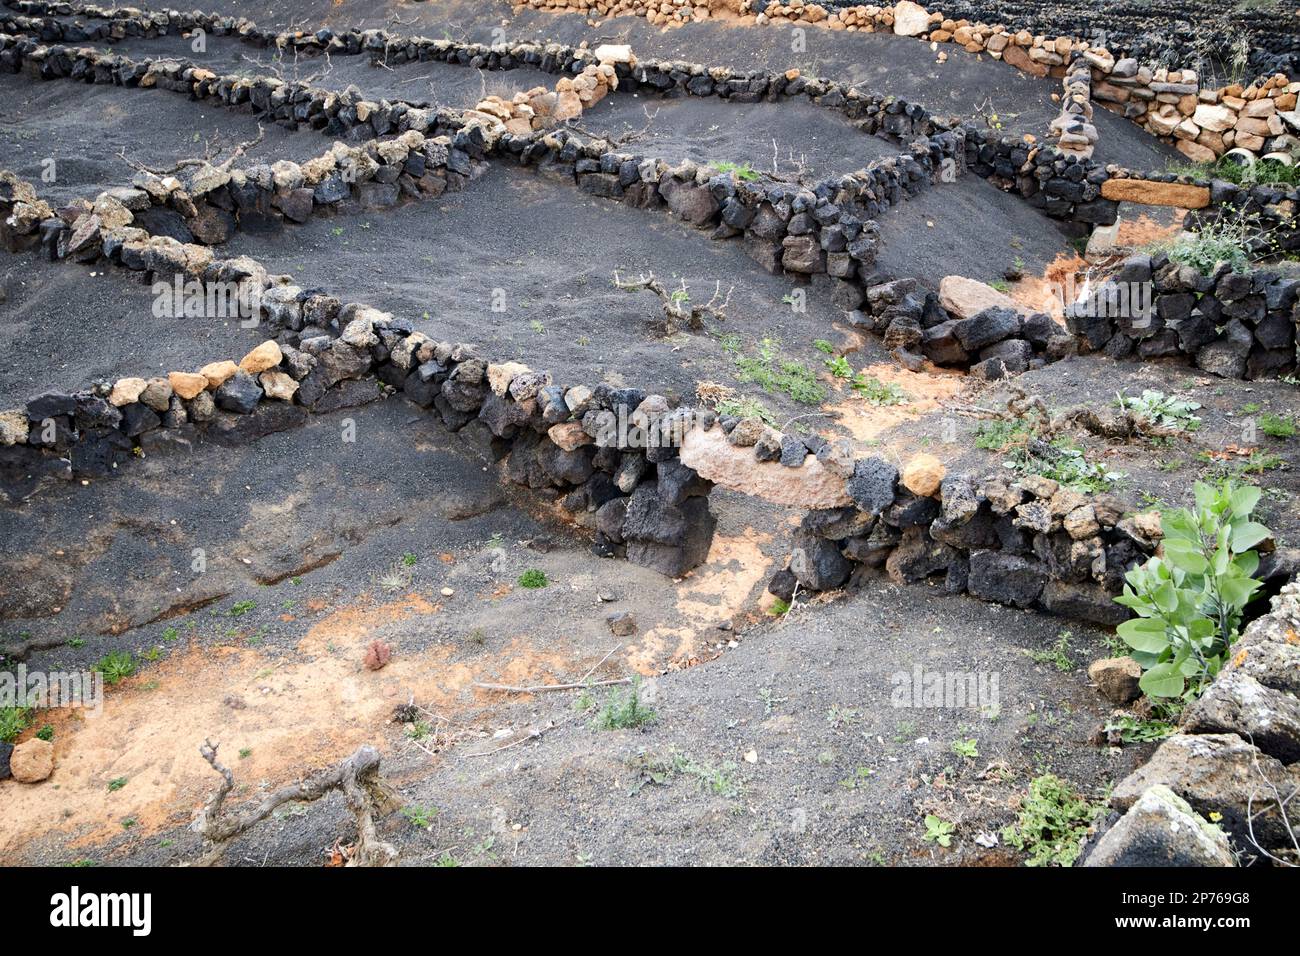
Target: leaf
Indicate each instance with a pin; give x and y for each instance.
(1186, 557)
(1244, 499)
(1166, 597)
(1163, 680)
(1246, 536)
(1236, 592)
(1147, 660)
(1144, 634)
(1247, 563)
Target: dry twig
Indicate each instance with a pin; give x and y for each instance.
(677, 307)
(357, 777)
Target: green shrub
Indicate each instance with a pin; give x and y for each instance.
(1189, 600)
(1000, 434)
(533, 578)
(1226, 240)
(1268, 171)
(876, 392)
(741, 171)
(1053, 822)
(1162, 410)
(623, 709)
(745, 407)
(774, 373)
(13, 721)
(1277, 426)
(115, 666)
(839, 367)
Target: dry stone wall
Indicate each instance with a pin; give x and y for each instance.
(585, 446)
(1259, 116)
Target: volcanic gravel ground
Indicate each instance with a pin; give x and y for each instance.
(82, 128)
(968, 228)
(792, 139)
(65, 325)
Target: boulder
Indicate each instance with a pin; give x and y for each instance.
(278, 385)
(671, 539)
(187, 384)
(873, 485)
(1150, 193)
(987, 328)
(910, 19)
(813, 485)
(918, 556)
(923, 475)
(32, 761)
(1006, 578)
(1220, 774)
(1236, 703)
(13, 427)
(1116, 678)
(818, 564)
(240, 393)
(1161, 829)
(265, 356)
(966, 298)
(217, 372)
(126, 391)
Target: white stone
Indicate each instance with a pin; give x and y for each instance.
(910, 19)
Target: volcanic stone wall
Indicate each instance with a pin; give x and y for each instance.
(1167, 36)
(1025, 542)
(587, 446)
(1236, 325)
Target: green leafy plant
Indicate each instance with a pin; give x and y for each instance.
(1162, 410)
(623, 709)
(1190, 599)
(938, 831)
(115, 666)
(779, 607)
(1052, 824)
(1058, 655)
(876, 392)
(13, 721)
(1000, 434)
(839, 366)
(1227, 240)
(1277, 426)
(116, 784)
(1270, 171)
(741, 171)
(420, 817)
(745, 407)
(966, 747)
(46, 733)
(1058, 459)
(775, 373)
(1133, 730)
(240, 608)
(533, 578)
